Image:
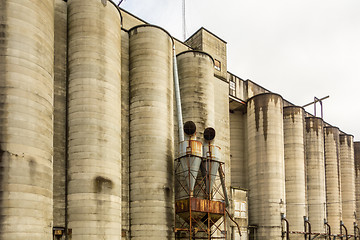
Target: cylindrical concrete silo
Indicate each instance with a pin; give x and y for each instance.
(357, 178)
(294, 154)
(151, 134)
(332, 176)
(26, 126)
(347, 170)
(60, 84)
(266, 164)
(94, 120)
(196, 72)
(315, 173)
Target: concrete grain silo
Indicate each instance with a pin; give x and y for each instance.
(266, 164)
(196, 71)
(151, 134)
(60, 85)
(332, 176)
(94, 120)
(357, 178)
(294, 154)
(315, 173)
(27, 84)
(347, 170)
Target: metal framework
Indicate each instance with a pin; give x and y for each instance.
(201, 209)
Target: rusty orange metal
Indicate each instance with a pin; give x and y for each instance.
(200, 209)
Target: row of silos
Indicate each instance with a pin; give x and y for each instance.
(91, 107)
(311, 173)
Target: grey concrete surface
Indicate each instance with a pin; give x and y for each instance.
(151, 134)
(347, 173)
(266, 164)
(60, 104)
(94, 120)
(294, 153)
(26, 112)
(333, 178)
(315, 173)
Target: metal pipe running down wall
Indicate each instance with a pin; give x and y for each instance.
(342, 226)
(287, 232)
(307, 227)
(178, 97)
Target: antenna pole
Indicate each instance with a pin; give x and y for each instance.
(183, 18)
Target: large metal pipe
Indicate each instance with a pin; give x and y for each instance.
(347, 170)
(26, 112)
(315, 173)
(94, 120)
(294, 154)
(332, 175)
(178, 97)
(151, 134)
(357, 178)
(266, 164)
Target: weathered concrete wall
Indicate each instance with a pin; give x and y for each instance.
(180, 47)
(26, 112)
(222, 127)
(94, 120)
(266, 164)
(151, 134)
(357, 178)
(130, 20)
(60, 85)
(208, 42)
(254, 89)
(315, 173)
(347, 170)
(125, 136)
(238, 87)
(294, 153)
(238, 149)
(332, 176)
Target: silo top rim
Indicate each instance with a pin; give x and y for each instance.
(332, 127)
(155, 26)
(263, 94)
(121, 18)
(295, 107)
(313, 117)
(197, 51)
(345, 134)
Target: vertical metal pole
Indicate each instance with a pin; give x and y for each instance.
(322, 114)
(190, 224)
(315, 106)
(328, 232)
(177, 97)
(184, 19)
(355, 237)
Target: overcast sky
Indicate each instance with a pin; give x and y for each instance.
(296, 48)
